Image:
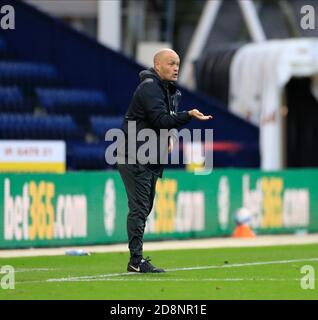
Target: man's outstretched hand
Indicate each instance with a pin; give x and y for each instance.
(195, 113)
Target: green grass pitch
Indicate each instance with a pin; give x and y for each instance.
(223, 273)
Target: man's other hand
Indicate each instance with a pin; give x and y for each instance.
(195, 113)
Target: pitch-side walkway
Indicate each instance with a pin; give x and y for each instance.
(171, 245)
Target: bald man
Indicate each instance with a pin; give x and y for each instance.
(154, 106)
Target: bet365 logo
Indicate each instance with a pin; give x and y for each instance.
(41, 214)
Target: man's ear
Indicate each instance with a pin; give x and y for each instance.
(156, 67)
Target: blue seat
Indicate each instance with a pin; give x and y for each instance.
(100, 125)
(37, 127)
(86, 156)
(12, 100)
(73, 101)
(27, 74)
(3, 48)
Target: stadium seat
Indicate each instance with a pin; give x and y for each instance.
(37, 127)
(100, 125)
(86, 156)
(3, 49)
(12, 100)
(73, 101)
(27, 74)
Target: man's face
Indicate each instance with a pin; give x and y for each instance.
(168, 66)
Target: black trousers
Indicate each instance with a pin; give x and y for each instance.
(140, 185)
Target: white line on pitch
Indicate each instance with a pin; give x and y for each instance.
(238, 265)
(170, 280)
(185, 280)
(33, 269)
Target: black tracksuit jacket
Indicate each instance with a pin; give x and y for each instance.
(154, 105)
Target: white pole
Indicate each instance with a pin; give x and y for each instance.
(109, 23)
(252, 20)
(199, 40)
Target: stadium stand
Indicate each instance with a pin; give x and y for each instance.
(101, 124)
(27, 74)
(73, 101)
(83, 156)
(50, 91)
(3, 49)
(26, 126)
(13, 100)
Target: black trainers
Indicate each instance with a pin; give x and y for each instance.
(144, 267)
